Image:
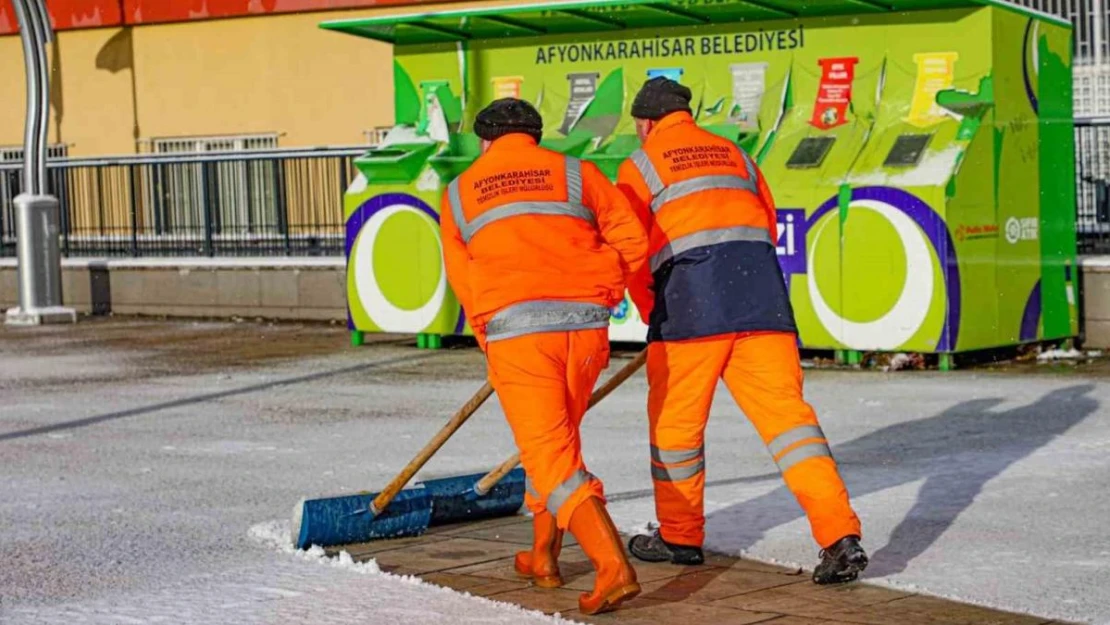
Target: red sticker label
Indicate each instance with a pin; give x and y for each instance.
(834, 94)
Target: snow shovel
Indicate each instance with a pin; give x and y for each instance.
(347, 518)
(395, 511)
(501, 491)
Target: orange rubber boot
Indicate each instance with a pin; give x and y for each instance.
(616, 579)
(541, 564)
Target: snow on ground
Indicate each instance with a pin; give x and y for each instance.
(1061, 354)
(301, 587)
(148, 490)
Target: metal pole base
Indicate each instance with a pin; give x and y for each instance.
(39, 261)
(40, 316)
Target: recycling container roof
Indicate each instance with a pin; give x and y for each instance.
(605, 16)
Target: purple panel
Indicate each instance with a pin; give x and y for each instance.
(1031, 316)
(935, 229)
(368, 209)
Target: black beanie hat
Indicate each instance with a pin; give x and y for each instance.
(506, 116)
(659, 97)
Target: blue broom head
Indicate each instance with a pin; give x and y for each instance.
(454, 500)
(346, 519)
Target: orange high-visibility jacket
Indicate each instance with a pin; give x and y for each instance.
(712, 230)
(535, 241)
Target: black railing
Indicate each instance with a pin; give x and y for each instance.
(290, 202)
(272, 203)
(1092, 179)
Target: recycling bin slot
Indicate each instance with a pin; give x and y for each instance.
(907, 150)
(571, 146)
(810, 152)
(747, 140)
(609, 157)
(395, 164)
(458, 154)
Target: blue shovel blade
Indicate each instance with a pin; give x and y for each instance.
(346, 519)
(454, 501)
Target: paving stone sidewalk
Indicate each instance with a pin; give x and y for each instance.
(477, 558)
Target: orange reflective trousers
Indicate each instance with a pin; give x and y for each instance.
(544, 382)
(763, 373)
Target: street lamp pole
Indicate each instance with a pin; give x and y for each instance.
(36, 212)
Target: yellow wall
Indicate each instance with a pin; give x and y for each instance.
(274, 74)
(255, 75)
(11, 102)
(92, 107)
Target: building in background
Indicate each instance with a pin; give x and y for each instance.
(160, 76)
(1091, 75)
(1092, 50)
(170, 79)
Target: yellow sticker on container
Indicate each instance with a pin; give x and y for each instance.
(507, 87)
(935, 73)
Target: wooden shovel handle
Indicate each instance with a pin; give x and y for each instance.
(382, 501)
(493, 477)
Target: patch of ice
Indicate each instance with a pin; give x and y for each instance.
(640, 529)
(358, 185)
(1060, 354)
(899, 362)
(428, 181)
(935, 168)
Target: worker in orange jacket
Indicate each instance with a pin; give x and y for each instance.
(538, 247)
(717, 307)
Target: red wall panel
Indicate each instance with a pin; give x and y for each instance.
(155, 11)
(67, 14)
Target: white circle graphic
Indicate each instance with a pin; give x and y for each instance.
(388, 317)
(904, 319)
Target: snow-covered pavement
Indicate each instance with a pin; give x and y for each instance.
(139, 481)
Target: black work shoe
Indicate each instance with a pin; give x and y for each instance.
(842, 562)
(654, 549)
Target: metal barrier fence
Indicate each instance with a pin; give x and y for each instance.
(290, 202)
(265, 203)
(1092, 180)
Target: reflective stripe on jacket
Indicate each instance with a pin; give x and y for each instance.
(535, 241)
(711, 224)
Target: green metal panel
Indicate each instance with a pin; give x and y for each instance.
(595, 16)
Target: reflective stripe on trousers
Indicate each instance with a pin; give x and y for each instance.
(572, 207)
(675, 465)
(562, 493)
(545, 316)
(798, 444)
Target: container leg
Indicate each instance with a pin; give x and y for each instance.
(947, 362)
(429, 341)
(356, 338)
(849, 357)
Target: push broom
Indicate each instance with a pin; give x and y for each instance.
(491, 479)
(397, 511)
